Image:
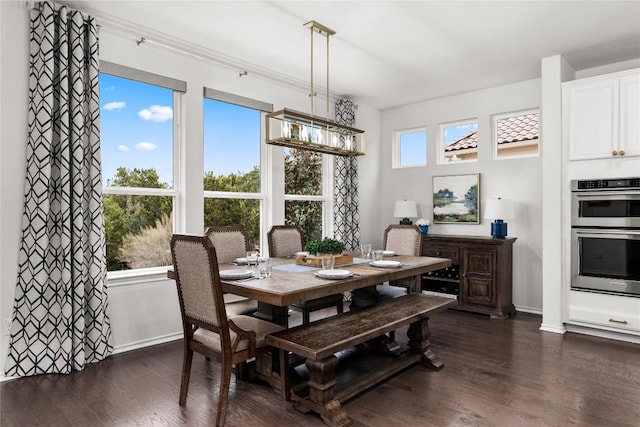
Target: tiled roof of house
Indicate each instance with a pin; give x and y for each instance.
(512, 129)
(470, 140)
(517, 129)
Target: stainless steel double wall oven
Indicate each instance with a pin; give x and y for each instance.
(605, 235)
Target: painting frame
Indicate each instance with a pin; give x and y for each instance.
(456, 199)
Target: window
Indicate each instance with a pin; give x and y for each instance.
(137, 128)
(458, 142)
(305, 202)
(233, 177)
(516, 134)
(410, 148)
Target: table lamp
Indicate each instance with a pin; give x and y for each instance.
(499, 210)
(405, 209)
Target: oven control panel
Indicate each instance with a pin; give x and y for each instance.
(604, 184)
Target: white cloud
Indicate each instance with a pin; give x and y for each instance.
(116, 105)
(156, 113)
(123, 148)
(146, 146)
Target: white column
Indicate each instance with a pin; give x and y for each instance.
(554, 289)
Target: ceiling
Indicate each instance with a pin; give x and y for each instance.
(390, 53)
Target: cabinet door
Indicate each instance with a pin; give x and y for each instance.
(630, 116)
(478, 284)
(590, 115)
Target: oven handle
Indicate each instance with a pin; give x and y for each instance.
(591, 232)
(604, 195)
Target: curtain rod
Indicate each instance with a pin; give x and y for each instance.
(37, 5)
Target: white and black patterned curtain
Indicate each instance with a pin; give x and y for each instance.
(346, 213)
(59, 319)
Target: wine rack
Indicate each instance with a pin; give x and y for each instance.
(445, 280)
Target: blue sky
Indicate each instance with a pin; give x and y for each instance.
(136, 130)
(136, 127)
(231, 138)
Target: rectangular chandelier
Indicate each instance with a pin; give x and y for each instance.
(289, 128)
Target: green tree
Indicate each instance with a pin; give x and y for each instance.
(302, 172)
(303, 176)
(129, 214)
(244, 212)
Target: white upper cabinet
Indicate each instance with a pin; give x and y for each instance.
(601, 116)
(630, 114)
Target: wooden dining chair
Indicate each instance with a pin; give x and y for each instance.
(403, 240)
(284, 241)
(207, 328)
(232, 242)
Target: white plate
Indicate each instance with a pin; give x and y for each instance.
(385, 264)
(388, 253)
(302, 253)
(235, 274)
(334, 274)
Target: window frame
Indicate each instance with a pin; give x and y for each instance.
(178, 87)
(263, 108)
(494, 132)
(326, 198)
(396, 155)
(441, 160)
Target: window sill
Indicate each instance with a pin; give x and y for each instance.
(137, 276)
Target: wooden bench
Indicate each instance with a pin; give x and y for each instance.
(319, 341)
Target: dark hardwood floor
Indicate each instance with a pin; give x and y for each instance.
(497, 373)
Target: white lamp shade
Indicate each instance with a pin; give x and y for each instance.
(405, 209)
(499, 209)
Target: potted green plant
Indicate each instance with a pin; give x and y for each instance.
(326, 246)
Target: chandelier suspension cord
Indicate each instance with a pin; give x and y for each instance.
(327, 76)
(311, 93)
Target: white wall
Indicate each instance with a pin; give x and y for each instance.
(515, 179)
(14, 39)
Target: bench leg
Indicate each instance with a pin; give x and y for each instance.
(419, 335)
(322, 382)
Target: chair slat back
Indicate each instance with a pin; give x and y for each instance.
(198, 280)
(231, 242)
(284, 240)
(403, 239)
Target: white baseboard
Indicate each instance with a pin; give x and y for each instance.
(553, 329)
(602, 333)
(147, 343)
(530, 310)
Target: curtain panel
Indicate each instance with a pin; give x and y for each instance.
(346, 211)
(59, 319)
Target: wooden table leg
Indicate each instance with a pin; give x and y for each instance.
(322, 382)
(419, 342)
(273, 313)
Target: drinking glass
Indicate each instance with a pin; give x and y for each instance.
(252, 261)
(328, 262)
(264, 267)
(365, 250)
(378, 255)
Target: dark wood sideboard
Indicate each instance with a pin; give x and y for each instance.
(480, 275)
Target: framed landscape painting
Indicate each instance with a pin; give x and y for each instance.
(455, 199)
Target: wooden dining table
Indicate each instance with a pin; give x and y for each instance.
(291, 283)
